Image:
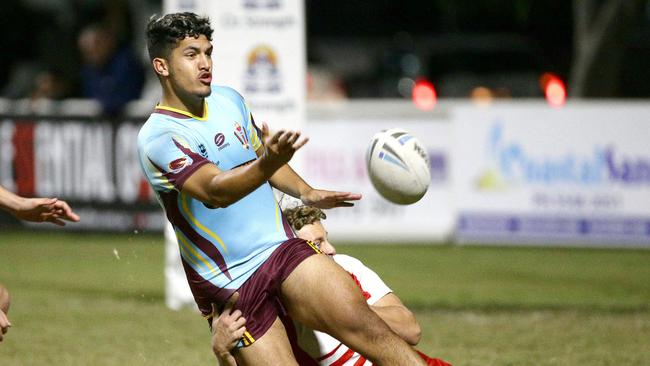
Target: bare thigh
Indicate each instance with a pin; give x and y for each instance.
(322, 295)
(271, 349)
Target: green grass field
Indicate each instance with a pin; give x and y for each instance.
(81, 299)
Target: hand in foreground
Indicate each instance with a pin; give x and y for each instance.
(227, 327)
(281, 146)
(329, 199)
(45, 210)
(4, 324)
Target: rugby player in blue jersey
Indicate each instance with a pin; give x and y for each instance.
(204, 158)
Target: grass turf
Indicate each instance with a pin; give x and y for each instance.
(81, 299)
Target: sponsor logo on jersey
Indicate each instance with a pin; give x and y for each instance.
(220, 141)
(203, 151)
(179, 164)
(241, 135)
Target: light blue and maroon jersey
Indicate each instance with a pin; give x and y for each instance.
(220, 247)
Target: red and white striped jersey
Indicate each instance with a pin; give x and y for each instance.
(327, 350)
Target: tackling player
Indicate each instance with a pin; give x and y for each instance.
(317, 348)
(203, 157)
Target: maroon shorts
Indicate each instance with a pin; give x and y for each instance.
(259, 296)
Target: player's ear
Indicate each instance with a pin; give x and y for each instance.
(160, 66)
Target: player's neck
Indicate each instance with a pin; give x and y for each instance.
(194, 106)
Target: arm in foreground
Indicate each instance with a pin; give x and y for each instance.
(222, 188)
(227, 329)
(37, 209)
(288, 181)
(400, 319)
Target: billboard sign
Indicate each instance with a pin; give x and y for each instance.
(526, 172)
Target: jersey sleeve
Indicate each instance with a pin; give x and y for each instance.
(368, 280)
(169, 159)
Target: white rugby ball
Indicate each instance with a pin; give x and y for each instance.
(398, 166)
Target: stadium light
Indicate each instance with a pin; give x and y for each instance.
(554, 89)
(424, 95)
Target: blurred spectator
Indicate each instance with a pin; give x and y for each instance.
(34, 39)
(50, 85)
(110, 73)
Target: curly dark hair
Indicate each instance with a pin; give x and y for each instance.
(303, 215)
(164, 32)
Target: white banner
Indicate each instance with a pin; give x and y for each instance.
(527, 173)
(260, 51)
(91, 164)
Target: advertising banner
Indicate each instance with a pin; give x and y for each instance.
(91, 164)
(527, 173)
(259, 49)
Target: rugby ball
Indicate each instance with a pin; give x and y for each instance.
(398, 166)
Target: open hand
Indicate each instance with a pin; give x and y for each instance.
(228, 327)
(280, 147)
(329, 199)
(45, 210)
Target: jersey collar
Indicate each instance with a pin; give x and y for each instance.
(179, 113)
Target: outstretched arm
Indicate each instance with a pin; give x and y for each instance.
(288, 181)
(222, 188)
(400, 319)
(37, 209)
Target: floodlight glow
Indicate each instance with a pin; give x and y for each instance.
(424, 95)
(555, 92)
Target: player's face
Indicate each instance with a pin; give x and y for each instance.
(317, 234)
(190, 67)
